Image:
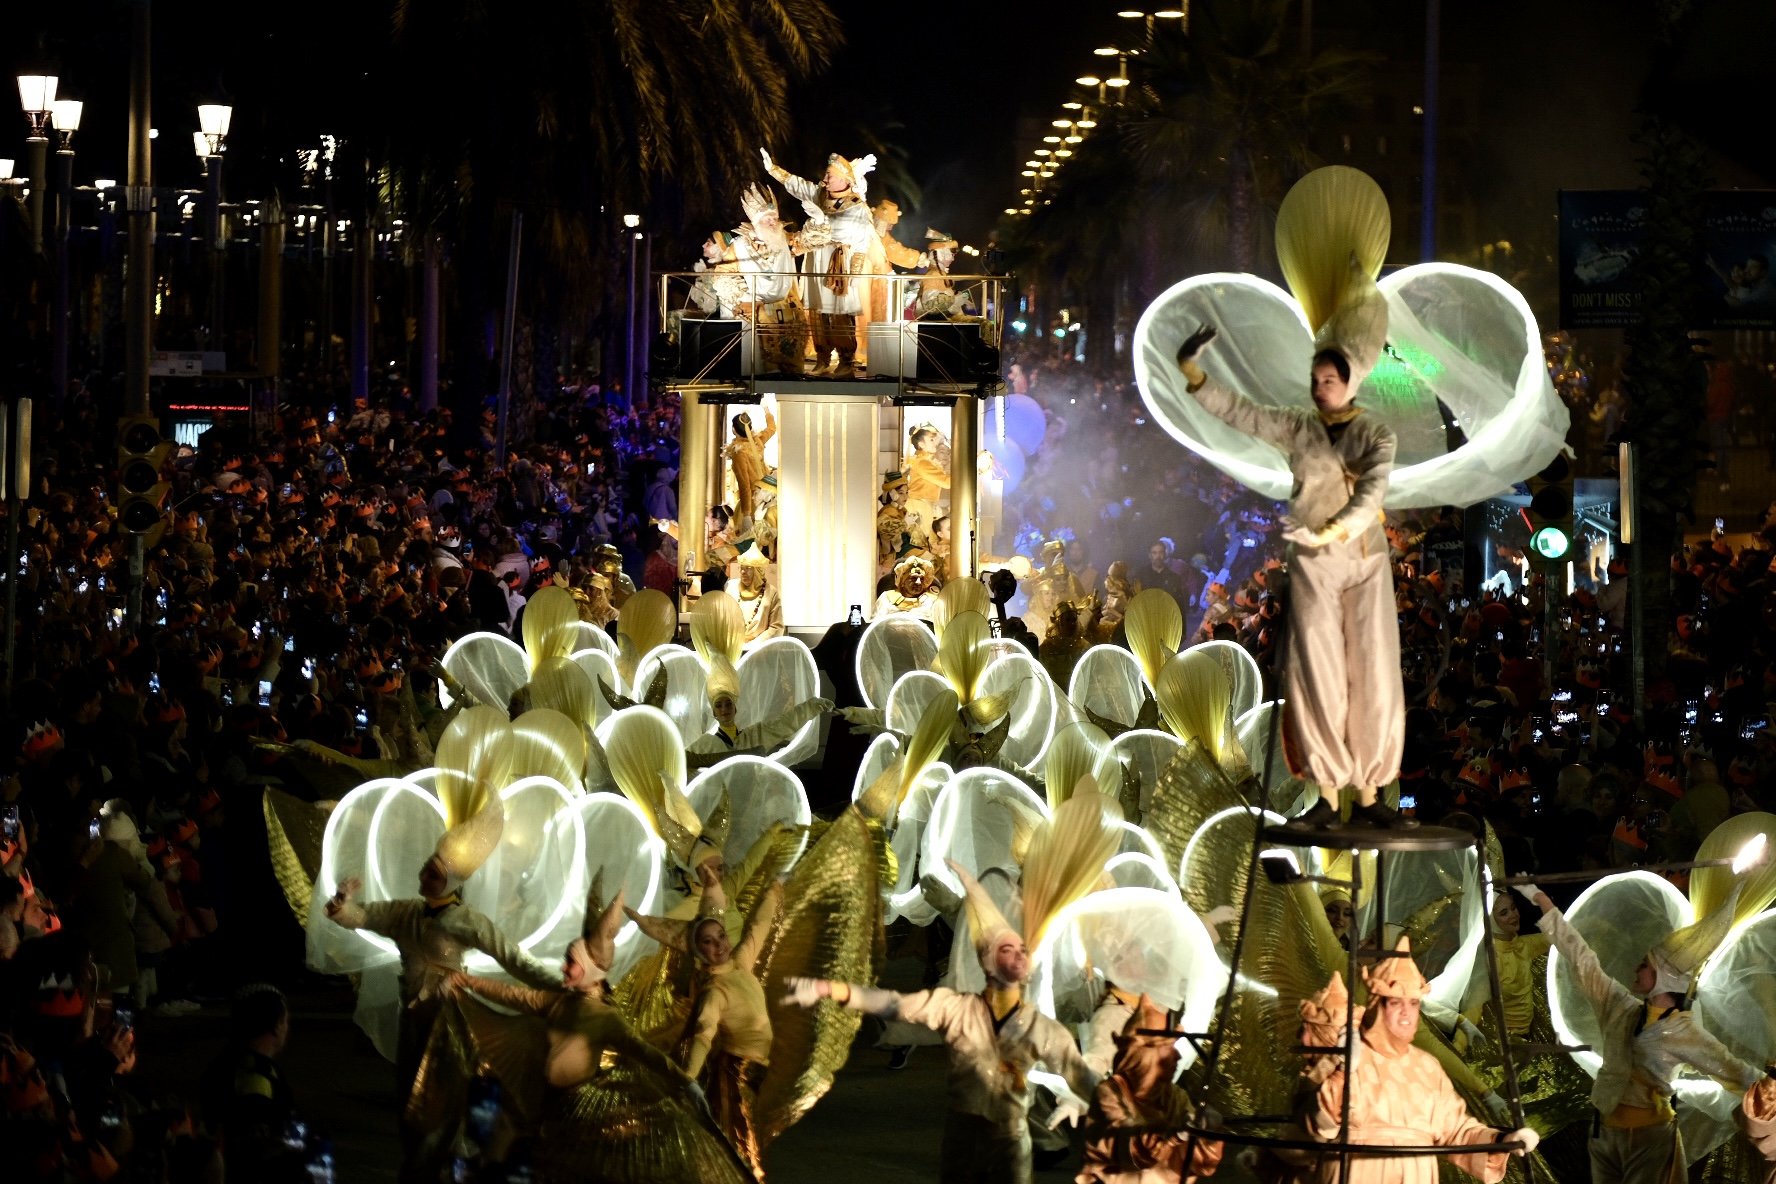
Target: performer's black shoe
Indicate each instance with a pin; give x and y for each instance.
(1319, 816)
(900, 1056)
(1381, 816)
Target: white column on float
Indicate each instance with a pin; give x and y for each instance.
(826, 507)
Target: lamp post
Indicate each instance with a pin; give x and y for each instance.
(66, 115)
(138, 305)
(36, 94)
(212, 122)
(632, 223)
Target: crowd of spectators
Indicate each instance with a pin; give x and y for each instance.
(313, 571)
(317, 567)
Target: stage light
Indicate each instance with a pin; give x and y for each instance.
(1061, 123)
(1088, 80)
(1106, 51)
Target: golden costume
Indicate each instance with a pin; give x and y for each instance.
(727, 1043)
(1139, 1094)
(1399, 1095)
(746, 455)
(605, 1105)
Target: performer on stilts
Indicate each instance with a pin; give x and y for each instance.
(1344, 713)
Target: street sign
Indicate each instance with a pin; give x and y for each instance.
(186, 363)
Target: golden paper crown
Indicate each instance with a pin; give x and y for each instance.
(1397, 977)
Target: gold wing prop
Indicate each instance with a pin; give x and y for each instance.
(293, 831)
(1110, 727)
(779, 856)
(656, 692)
(466, 1036)
(1291, 955)
(831, 928)
(1192, 788)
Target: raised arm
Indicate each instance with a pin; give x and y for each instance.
(799, 188)
(936, 1008)
(1054, 1044)
(1273, 425)
(1594, 981)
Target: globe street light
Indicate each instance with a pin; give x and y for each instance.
(65, 113)
(36, 94)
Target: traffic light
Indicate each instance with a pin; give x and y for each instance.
(141, 494)
(1550, 513)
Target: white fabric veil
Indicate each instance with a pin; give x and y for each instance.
(1459, 336)
(890, 647)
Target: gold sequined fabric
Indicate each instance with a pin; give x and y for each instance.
(830, 927)
(1192, 788)
(622, 1127)
(293, 831)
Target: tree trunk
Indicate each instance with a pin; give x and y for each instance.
(1240, 200)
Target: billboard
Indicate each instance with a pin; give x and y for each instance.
(1601, 232)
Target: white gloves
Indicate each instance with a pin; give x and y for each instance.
(765, 155)
(1307, 538)
(1525, 1135)
(802, 992)
(1069, 1110)
(1467, 1027)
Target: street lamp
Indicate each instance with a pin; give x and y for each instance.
(633, 223)
(212, 122)
(36, 94)
(66, 115)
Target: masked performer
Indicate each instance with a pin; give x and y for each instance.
(1344, 714)
(1647, 1035)
(1399, 1094)
(839, 235)
(613, 1108)
(746, 454)
(997, 1037)
(766, 260)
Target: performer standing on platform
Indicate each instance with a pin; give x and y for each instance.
(840, 234)
(1344, 714)
(765, 257)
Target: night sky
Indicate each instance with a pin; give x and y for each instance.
(972, 84)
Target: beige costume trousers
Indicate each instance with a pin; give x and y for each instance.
(1644, 1155)
(1344, 716)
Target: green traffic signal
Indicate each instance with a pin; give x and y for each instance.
(1550, 542)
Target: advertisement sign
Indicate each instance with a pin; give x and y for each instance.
(1739, 246)
(1601, 231)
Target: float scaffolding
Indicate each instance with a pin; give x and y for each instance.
(839, 430)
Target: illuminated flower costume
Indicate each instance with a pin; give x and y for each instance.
(719, 633)
(996, 1037)
(1460, 337)
(1637, 1047)
(432, 936)
(605, 1105)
